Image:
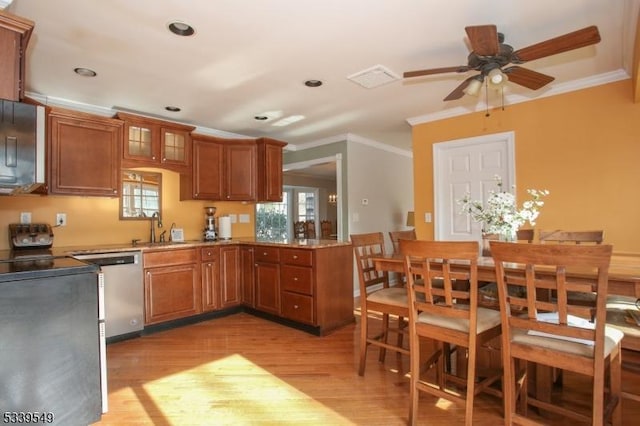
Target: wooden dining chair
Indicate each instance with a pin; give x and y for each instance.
(326, 229)
(448, 315)
(310, 229)
(396, 236)
(384, 299)
(557, 333)
(575, 237)
(299, 230)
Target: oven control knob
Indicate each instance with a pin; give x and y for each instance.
(25, 240)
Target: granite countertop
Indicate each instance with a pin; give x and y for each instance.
(140, 246)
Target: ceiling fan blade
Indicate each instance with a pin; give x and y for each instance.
(574, 40)
(461, 68)
(483, 39)
(458, 92)
(525, 77)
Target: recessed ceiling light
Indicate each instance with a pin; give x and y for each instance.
(172, 108)
(313, 83)
(181, 29)
(85, 72)
(288, 120)
(261, 117)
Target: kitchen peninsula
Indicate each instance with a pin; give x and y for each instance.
(306, 284)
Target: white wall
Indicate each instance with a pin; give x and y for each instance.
(385, 180)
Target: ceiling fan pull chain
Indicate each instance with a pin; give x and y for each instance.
(486, 98)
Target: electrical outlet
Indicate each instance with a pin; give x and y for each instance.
(427, 217)
(25, 217)
(61, 219)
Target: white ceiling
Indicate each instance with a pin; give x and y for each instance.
(251, 57)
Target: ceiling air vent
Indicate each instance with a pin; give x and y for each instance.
(374, 77)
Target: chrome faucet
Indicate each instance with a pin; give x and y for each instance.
(153, 228)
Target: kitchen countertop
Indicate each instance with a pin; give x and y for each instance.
(141, 246)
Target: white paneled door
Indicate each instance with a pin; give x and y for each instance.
(468, 166)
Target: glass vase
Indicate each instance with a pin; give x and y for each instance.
(509, 236)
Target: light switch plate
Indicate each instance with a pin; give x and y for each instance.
(233, 217)
(244, 218)
(25, 217)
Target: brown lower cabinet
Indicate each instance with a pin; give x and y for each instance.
(267, 279)
(172, 286)
(210, 273)
(230, 288)
(312, 286)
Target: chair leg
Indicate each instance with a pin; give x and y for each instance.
(471, 378)
(524, 386)
(414, 379)
(441, 374)
(615, 371)
(401, 325)
(364, 332)
(383, 337)
(510, 389)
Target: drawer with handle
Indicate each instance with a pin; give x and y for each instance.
(266, 254)
(296, 278)
(297, 307)
(297, 257)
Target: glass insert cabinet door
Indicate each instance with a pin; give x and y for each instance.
(140, 144)
(141, 194)
(174, 146)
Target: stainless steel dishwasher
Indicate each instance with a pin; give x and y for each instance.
(123, 290)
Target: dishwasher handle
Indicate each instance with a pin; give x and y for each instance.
(125, 259)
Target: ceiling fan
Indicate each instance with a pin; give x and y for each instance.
(490, 55)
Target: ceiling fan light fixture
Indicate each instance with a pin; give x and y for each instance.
(497, 78)
(474, 86)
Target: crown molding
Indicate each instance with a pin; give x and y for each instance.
(513, 99)
(351, 137)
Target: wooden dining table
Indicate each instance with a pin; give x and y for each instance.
(624, 271)
(624, 280)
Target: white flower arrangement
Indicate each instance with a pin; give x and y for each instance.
(500, 215)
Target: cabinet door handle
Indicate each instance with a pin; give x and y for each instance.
(208, 253)
(295, 306)
(295, 257)
(295, 278)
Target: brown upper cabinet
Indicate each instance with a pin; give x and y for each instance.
(83, 153)
(234, 170)
(14, 37)
(270, 169)
(149, 142)
(223, 170)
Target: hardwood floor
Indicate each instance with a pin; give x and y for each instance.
(243, 370)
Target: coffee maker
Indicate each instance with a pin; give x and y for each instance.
(210, 224)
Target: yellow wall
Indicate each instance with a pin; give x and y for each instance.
(583, 146)
(95, 220)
